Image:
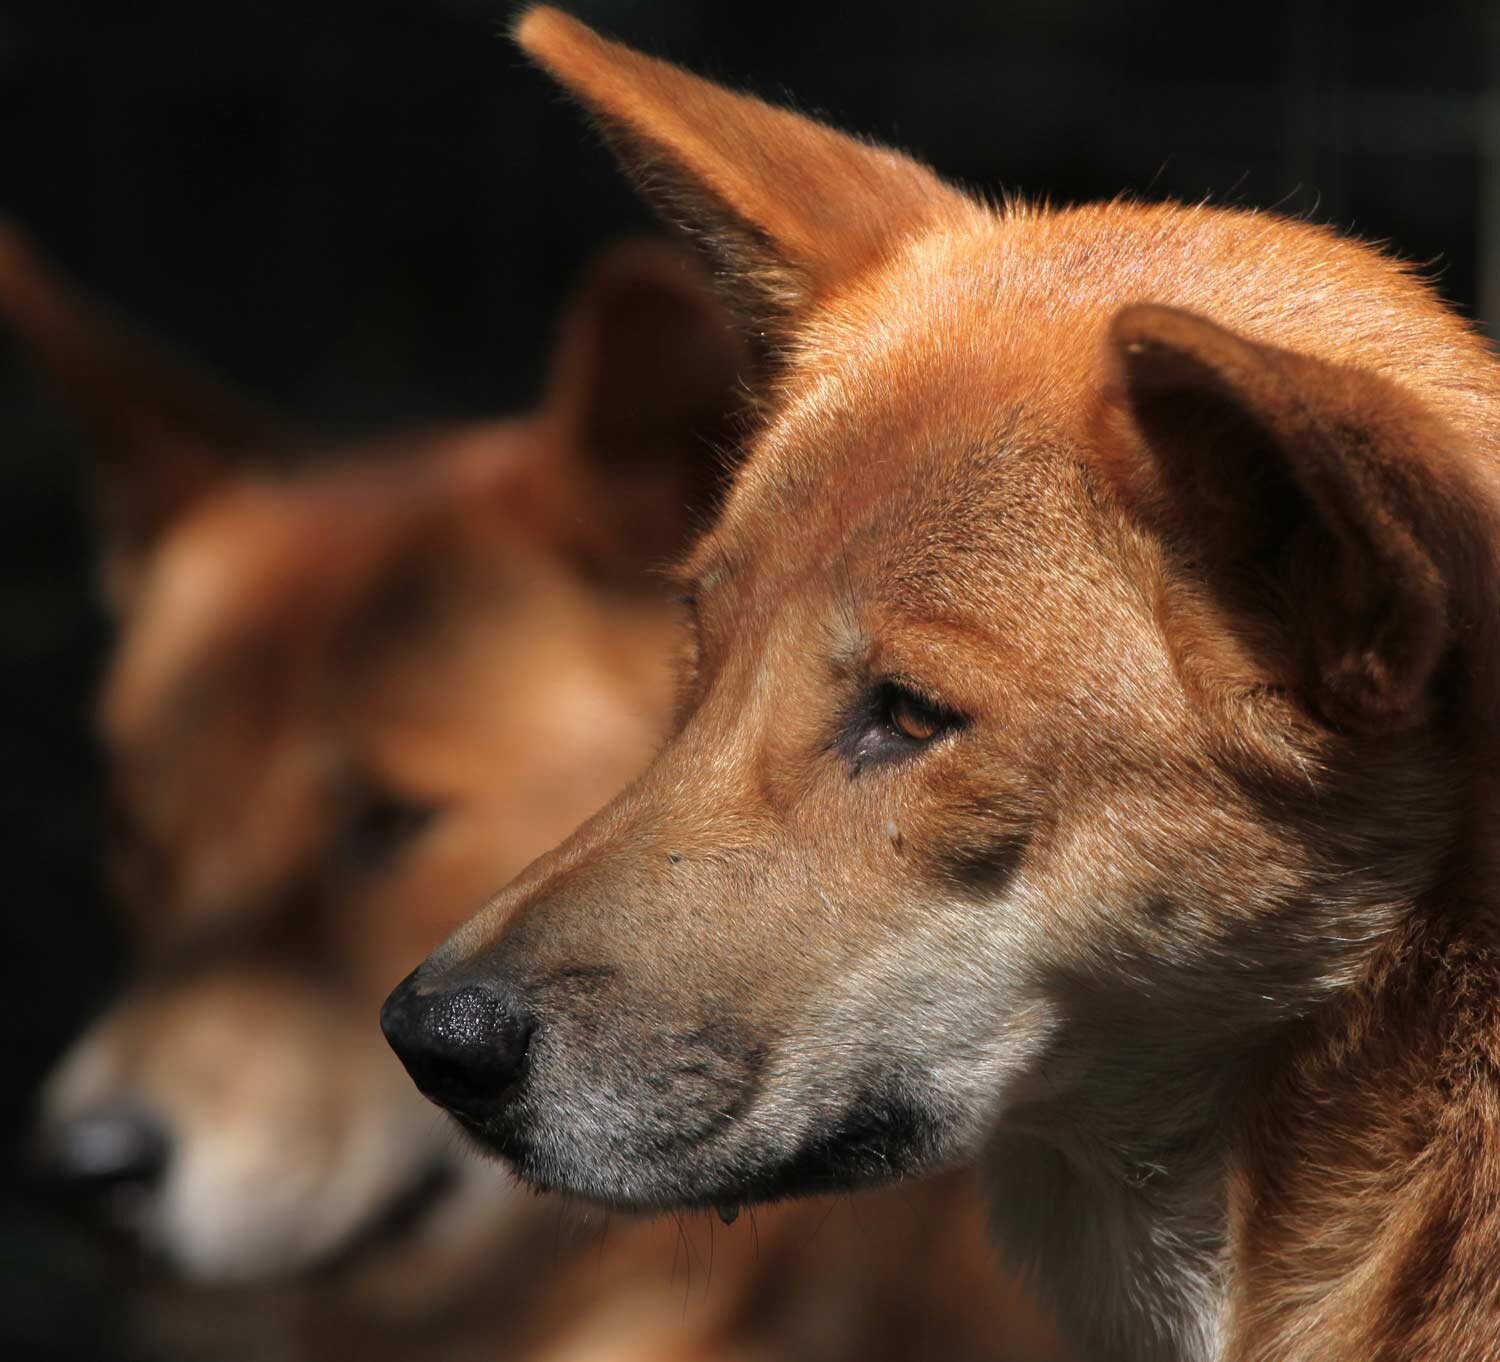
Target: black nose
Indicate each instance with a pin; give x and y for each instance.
(464, 1047)
(105, 1157)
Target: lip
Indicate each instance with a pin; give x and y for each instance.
(496, 1139)
(870, 1144)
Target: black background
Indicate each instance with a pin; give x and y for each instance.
(368, 211)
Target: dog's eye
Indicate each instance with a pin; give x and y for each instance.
(378, 826)
(893, 721)
(913, 717)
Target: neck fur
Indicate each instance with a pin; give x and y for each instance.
(1331, 1196)
(1126, 1234)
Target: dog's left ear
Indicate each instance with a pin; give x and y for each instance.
(788, 209)
(162, 435)
(1325, 506)
(646, 391)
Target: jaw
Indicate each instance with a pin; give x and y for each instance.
(881, 1132)
(798, 1125)
(687, 1108)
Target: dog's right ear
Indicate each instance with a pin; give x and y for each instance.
(645, 396)
(789, 208)
(162, 434)
(1327, 507)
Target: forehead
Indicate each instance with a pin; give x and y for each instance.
(941, 405)
(927, 435)
(265, 593)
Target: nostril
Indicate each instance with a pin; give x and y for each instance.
(104, 1151)
(464, 1048)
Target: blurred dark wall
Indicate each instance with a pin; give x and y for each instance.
(368, 212)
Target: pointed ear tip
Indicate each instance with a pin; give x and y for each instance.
(1138, 348)
(1141, 326)
(544, 33)
(1153, 346)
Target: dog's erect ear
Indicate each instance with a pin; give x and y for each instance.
(1323, 499)
(647, 364)
(788, 207)
(646, 391)
(162, 434)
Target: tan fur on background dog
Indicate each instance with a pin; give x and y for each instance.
(346, 698)
(1087, 762)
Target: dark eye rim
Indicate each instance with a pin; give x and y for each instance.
(869, 735)
(378, 826)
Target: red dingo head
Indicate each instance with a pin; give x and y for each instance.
(343, 701)
(1091, 668)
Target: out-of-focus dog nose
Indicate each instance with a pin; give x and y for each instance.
(464, 1046)
(102, 1153)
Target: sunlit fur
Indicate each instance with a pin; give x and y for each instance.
(1190, 514)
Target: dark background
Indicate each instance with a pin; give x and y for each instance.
(369, 211)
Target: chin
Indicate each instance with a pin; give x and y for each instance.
(878, 1138)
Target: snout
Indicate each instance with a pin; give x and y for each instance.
(465, 1045)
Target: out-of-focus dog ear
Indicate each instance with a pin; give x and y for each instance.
(788, 208)
(162, 434)
(646, 393)
(1323, 506)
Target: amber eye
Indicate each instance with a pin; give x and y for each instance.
(892, 722)
(913, 717)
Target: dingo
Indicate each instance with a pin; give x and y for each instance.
(1087, 764)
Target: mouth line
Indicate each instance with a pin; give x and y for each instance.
(120, 1244)
(725, 1200)
(398, 1218)
(879, 1139)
